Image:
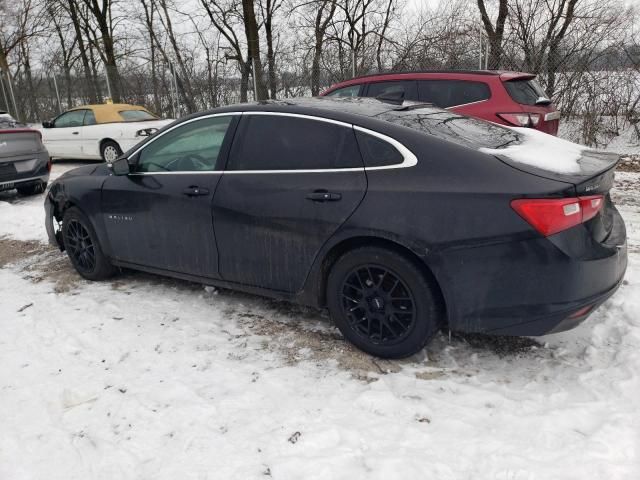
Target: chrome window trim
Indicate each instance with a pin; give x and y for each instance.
(153, 139)
(409, 159)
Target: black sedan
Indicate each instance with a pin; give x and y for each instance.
(401, 219)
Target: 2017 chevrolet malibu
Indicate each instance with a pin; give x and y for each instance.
(401, 219)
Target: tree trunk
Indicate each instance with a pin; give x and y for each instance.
(253, 43)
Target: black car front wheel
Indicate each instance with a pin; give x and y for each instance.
(83, 248)
(382, 302)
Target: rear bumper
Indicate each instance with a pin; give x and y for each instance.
(532, 287)
(22, 172)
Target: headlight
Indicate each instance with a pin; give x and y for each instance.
(146, 132)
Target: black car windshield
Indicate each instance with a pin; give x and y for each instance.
(136, 115)
(454, 128)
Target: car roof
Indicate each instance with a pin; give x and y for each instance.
(347, 109)
(503, 75)
(109, 112)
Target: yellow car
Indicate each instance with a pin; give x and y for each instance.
(99, 132)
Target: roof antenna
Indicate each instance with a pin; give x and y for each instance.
(395, 98)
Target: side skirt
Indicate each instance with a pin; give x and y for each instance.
(298, 298)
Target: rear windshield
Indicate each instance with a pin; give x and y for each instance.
(525, 92)
(454, 128)
(136, 115)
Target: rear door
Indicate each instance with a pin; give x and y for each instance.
(291, 181)
(160, 214)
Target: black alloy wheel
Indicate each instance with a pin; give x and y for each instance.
(82, 246)
(378, 305)
(383, 301)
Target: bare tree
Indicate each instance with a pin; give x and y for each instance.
(495, 32)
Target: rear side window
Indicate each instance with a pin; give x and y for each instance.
(392, 89)
(275, 142)
(377, 152)
(525, 92)
(136, 115)
(351, 91)
(449, 93)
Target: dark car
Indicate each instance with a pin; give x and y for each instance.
(388, 215)
(507, 98)
(24, 161)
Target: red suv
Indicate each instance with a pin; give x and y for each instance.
(508, 98)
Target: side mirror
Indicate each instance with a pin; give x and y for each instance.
(47, 124)
(120, 166)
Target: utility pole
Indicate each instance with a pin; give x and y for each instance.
(55, 85)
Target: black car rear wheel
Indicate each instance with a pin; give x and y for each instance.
(382, 302)
(83, 248)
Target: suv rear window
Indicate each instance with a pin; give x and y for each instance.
(449, 93)
(525, 92)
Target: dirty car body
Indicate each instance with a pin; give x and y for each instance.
(415, 184)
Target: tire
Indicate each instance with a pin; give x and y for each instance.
(33, 189)
(110, 151)
(382, 302)
(82, 246)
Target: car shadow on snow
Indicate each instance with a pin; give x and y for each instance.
(294, 333)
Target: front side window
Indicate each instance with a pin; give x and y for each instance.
(351, 91)
(402, 89)
(449, 93)
(74, 118)
(136, 115)
(272, 142)
(89, 118)
(191, 147)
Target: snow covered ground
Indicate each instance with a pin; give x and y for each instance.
(147, 378)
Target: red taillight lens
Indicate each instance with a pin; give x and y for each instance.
(521, 119)
(553, 215)
(49, 165)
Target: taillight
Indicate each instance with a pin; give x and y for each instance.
(49, 165)
(521, 119)
(553, 215)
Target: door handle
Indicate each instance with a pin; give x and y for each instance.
(323, 196)
(75, 133)
(195, 191)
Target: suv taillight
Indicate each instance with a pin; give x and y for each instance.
(521, 119)
(553, 215)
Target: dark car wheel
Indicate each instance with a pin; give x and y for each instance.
(83, 248)
(382, 302)
(32, 189)
(110, 151)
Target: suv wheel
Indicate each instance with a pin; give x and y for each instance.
(382, 302)
(110, 151)
(83, 248)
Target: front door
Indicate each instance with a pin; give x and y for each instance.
(289, 184)
(160, 214)
(64, 139)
